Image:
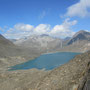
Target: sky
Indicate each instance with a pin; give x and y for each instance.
(58, 18)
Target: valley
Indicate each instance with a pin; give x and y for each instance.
(65, 77)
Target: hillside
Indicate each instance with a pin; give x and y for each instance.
(7, 48)
(10, 54)
(80, 42)
(70, 76)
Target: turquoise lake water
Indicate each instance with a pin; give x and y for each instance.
(46, 61)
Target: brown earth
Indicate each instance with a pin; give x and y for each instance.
(69, 76)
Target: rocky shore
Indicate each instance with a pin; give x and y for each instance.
(69, 76)
(73, 75)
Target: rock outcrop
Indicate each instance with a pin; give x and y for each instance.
(85, 83)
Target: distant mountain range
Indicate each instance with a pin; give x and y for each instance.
(42, 42)
(35, 44)
(47, 43)
(14, 51)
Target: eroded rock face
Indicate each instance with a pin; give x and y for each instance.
(85, 84)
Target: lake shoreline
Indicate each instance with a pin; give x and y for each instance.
(48, 61)
(60, 52)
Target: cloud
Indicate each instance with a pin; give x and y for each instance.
(23, 27)
(24, 30)
(42, 29)
(19, 31)
(80, 9)
(63, 30)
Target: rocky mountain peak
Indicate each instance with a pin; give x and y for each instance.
(79, 36)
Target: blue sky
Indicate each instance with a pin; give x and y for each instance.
(20, 17)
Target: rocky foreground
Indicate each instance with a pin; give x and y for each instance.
(73, 75)
(70, 76)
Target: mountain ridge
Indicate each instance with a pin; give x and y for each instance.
(81, 35)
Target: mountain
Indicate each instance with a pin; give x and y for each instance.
(6, 46)
(4, 41)
(9, 49)
(80, 36)
(11, 54)
(43, 42)
(34, 45)
(13, 40)
(80, 42)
